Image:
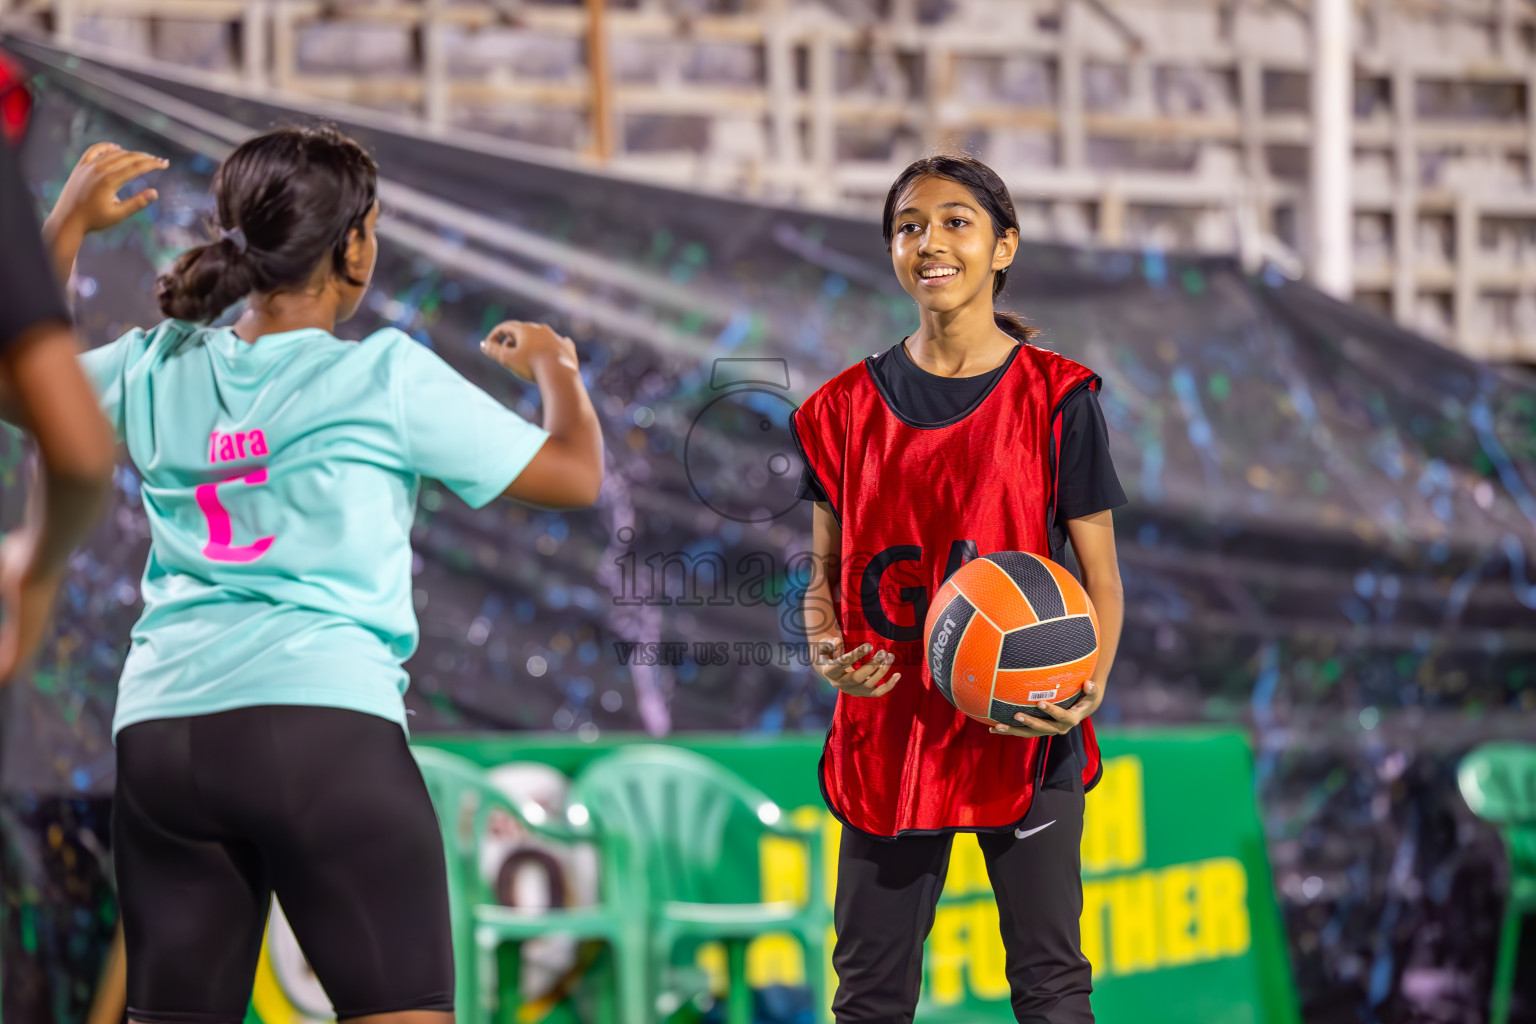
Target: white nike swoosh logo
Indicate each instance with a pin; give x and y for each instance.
(1020, 833)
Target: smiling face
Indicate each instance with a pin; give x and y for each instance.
(944, 247)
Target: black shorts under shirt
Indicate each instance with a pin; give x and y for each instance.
(323, 806)
(1087, 484)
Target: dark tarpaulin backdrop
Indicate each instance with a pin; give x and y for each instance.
(1328, 540)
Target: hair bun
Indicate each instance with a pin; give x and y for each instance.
(203, 282)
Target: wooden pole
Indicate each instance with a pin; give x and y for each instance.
(600, 106)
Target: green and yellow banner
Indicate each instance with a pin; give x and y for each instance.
(1179, 918)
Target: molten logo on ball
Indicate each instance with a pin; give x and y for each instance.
(1013, 629)
(943, 640)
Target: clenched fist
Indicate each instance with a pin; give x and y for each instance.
(522, 346)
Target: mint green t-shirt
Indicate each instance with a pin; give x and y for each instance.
(280, 482)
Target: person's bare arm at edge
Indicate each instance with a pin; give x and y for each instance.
(88, 201)
(831, 662)
(1093, 541)
(567, 471)
(47, 394)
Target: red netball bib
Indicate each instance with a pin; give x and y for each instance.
(915, 502)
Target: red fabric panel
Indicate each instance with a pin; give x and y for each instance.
(15, 102)
(909, 761)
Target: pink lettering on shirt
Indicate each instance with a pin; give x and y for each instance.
(220, 546)
(240, 445)
(221, 534)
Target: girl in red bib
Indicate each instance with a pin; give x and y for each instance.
(961, 440)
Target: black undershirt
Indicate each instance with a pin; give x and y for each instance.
(1087, 482)
(28, 293)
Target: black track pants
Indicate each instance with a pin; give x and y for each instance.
(886, 896)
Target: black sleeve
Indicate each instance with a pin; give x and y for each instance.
(1088, 480)
(809, 489)
(28, 293)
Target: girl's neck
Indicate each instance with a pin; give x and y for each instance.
(279, 313)
(962, 342)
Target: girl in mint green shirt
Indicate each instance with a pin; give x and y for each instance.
(259, 721)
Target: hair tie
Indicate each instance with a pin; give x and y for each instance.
(235, 235)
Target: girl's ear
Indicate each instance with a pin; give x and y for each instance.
(357, 251)
(1007, 248)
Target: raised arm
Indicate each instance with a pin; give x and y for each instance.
(567, 472)
(89, 200)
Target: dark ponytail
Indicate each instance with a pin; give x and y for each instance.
(205, 281)
(287, 200)
(990, 192)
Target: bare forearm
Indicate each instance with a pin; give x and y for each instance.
(63, 238)
(820, 620)
(62, 512)
(1108, 597)
(568, 413)
(573, 424)
(820, 608)
(567, 472)
(53, 400)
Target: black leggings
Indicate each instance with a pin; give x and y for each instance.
(324, 806)
(887, 892)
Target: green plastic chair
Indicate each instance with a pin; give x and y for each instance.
(483, 930)
(664, 816)
(1498, 782)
